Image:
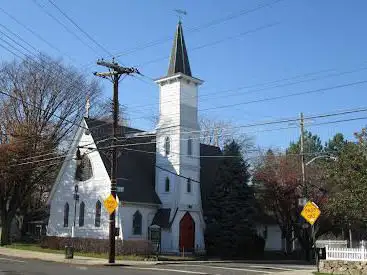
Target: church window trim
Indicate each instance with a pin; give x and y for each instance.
(66, 215)
(188, 186)
(81, 214)
(97, 219)
(137, 223)
(167, 146)
(167, 185)
(189, 146)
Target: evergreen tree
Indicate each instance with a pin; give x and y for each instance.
(312, 146)
(230, 220)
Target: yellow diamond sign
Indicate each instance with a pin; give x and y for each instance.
(110, 204)
(310, 212)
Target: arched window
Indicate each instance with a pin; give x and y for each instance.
(97, 220)
(189, 146)
(137, 220)
(166, 187)
(66, 215)
(84, 169)
(167, 146)
(188, 186)
(81, 214)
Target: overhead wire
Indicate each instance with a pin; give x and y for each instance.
(7, 49)
(247, 126)
(224, 93)
(213, 43)
(200, 27)
(267, 99)
(19, 37)
(230, 134)
(126, 146)
(43, 9)
(33, 32)
(78, 27)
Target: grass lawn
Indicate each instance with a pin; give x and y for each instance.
(37, 248)
(318, 273)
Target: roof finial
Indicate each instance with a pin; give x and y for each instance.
(87, 107)
(180, 13)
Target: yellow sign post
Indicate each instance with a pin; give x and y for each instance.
(110, 204)
(310, 212)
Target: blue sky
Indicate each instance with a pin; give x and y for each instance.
(281, 41)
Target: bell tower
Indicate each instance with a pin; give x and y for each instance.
(178, 132)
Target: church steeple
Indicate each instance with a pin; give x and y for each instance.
(179, 61)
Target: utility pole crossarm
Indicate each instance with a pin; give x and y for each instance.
(117, 68)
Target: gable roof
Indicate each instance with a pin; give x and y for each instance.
(136, 169)
(161, 218)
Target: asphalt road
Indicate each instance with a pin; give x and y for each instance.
(15, 266)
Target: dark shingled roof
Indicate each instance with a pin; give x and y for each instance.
(161, 218)
(136, 170)
(179, 61)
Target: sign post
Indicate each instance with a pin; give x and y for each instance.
(311, 213)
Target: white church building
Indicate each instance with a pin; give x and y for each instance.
(163, 177)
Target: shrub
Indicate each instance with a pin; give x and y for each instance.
(88, 245)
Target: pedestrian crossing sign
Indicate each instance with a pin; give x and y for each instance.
(310, 212)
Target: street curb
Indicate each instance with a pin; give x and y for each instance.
(85, 261)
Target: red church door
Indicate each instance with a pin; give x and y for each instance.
(187, 233)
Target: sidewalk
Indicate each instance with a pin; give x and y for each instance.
(296, 272)
(89, 261)
(60, 258)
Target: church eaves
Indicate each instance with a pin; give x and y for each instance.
(179, 61)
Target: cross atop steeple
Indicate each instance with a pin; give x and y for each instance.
(87, 107)
(179, 61)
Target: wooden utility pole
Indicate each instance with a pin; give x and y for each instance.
(304, 183)
(114, 74)
(302, 127)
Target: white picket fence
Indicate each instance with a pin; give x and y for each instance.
(346, 254)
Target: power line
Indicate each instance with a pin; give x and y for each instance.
(14, 48)
(14, 41)
(40, 109)
(7, 49)
(78, 27)
(278, 97)
(267, 26)
(200, 27)
(31, 31)
(19, 37)
(209, 156)
(266, 123)
(223, 93)
(43, 8)
(230, 134)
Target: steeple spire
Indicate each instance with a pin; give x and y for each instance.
(179, 61)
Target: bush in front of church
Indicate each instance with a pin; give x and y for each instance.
(98, 246)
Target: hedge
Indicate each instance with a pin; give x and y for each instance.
(88, 245)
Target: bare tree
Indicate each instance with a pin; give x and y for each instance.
(102, 109)
(43, 100)
(219, 132)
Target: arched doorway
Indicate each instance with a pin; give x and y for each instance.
(187, 233)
